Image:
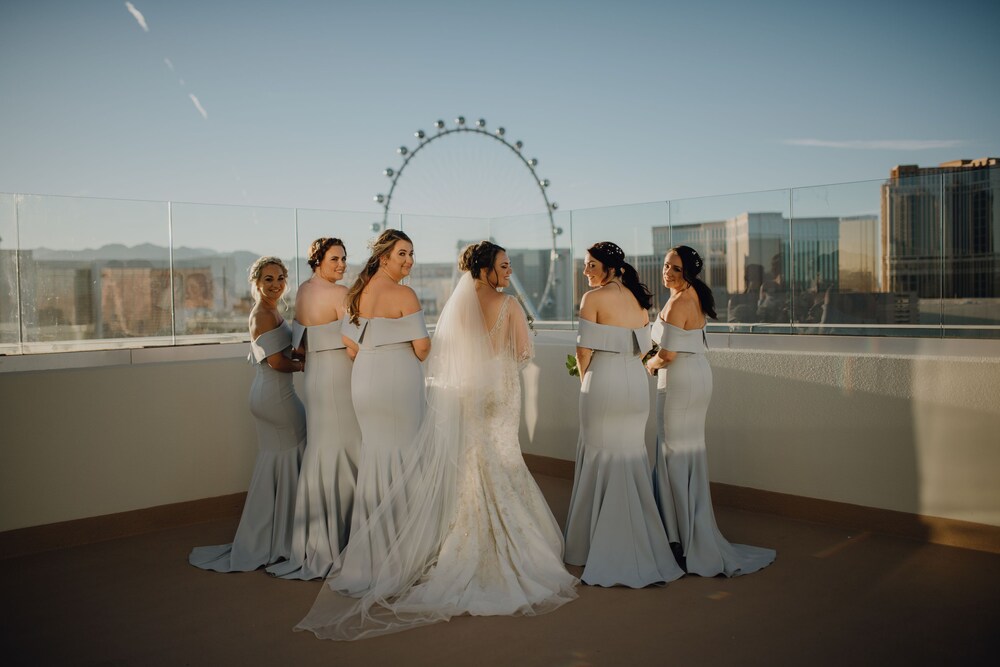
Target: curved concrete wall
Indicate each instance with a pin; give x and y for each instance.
(914, 432)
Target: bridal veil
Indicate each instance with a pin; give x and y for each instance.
(367, 598)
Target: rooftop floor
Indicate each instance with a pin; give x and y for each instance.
(831, 598)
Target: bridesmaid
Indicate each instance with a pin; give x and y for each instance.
(265, 532)
(325, 496)
(683, 392)
(386, 336)
(613, 527)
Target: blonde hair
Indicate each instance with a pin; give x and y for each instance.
(253, 276)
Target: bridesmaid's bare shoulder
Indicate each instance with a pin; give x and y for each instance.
(263, 320)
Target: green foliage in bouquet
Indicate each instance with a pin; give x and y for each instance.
(571, 366)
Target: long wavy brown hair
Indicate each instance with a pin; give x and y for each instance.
(381, 247)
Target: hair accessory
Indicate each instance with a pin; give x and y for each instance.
(609, 253)
(697, 259)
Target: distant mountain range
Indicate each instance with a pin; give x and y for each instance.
(117, 251)
(144, 252)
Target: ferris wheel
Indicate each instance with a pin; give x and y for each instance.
(461, 127)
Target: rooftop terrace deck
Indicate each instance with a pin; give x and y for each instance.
(833, 597)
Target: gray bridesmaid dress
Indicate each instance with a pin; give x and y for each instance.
(264, 535)
(387, 389)
(325, 498)
(680, 477)
(613, 527)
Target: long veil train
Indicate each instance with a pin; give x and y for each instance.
(365, 598)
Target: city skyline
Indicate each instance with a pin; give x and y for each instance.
(928, 257)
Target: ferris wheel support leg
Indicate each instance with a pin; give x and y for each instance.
(525, 299)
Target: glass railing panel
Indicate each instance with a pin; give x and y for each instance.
(355, 229)
(437, 241)
(634, 228)
(970, 298)
(541, 257)
(10, 317)
(93, 272)
(838, 280)
(745, 242)
(913, 255)
(912, 249)
(213, 249)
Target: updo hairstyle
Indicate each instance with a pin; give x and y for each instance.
(319, 247)
(480, 257)
(613, 258)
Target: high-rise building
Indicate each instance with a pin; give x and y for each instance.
(800, 251)
(941, 229)
(858, 254)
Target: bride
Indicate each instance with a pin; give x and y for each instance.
(478, 537)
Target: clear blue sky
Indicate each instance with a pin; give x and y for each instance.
(302, 104)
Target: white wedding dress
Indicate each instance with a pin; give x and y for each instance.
(477, 536)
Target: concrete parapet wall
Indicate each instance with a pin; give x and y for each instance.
(915, 432)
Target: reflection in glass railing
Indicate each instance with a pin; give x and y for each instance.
(92, 269)
(917, 254)
(745, 241)
(837, 285)
(213, 249)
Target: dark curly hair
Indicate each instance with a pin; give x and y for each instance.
(319, 247)
(479, 257)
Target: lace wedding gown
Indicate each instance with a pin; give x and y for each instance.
(479, 537)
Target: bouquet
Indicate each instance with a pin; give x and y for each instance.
(571, 366)
(574, 370)
(652, 353)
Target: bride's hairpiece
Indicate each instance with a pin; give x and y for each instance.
(478, 256)
(318, 249)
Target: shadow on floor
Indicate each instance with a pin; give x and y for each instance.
(831, 598)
